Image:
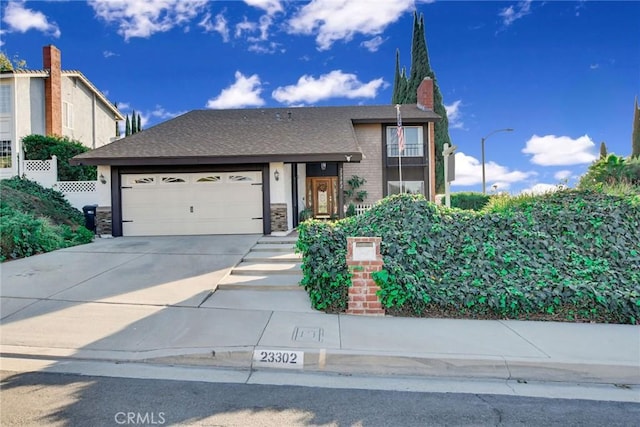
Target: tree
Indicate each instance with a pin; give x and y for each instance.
(603, 150)
(405, 92)
(635, 135)
(40, 147)
(115, 104)
(139, 126)
(127, 126)
(7, 64)
(134, 123)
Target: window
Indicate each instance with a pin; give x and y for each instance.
(67, 115)
(410, 187)
(5, 99)
(413, 141)
(5, 154)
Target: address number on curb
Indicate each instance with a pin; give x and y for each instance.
(279, 359)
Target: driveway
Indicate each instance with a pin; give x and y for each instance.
(162, 271)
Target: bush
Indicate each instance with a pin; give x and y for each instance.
(611, 170)
(34, 220)
(469, 200)
(39, 147)
(569, 255)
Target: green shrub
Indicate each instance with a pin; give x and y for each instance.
(611, 170)
(34, 220)
(469, 200)
(569, 255)
(40, 147)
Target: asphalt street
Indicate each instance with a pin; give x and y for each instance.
(71, 400)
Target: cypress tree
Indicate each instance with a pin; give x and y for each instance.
(405, 92)
(635, 135)
(397, 78)
(603, 150)
(127, 127)
(139, 127)
(134, 123)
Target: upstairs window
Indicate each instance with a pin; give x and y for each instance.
(5, 99)
(413, 141)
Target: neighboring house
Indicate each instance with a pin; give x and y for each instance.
(255, 170)
(51, 102)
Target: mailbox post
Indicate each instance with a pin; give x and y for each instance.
(363, 259)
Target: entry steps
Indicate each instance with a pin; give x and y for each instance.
(271, 264)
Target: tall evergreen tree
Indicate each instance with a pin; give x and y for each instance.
(405, 92)
(134, 123)
(603, 150)
(139, 126)
(635, 135)
(127, 127)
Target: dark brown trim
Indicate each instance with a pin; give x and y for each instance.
(216, 160)
(116, 203)
(266, 200)
(340, 190)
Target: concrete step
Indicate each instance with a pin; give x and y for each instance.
(274, 247)
(277, 240)
(276, 282)
(268, 268)
(271, 256)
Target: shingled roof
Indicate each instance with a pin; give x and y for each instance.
(302, 134)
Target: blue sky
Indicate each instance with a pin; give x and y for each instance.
(562, 74)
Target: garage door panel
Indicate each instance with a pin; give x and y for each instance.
(189, 204)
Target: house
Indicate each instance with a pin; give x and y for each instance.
(255, 170)
(51, 101)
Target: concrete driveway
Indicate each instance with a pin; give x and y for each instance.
(163, 271)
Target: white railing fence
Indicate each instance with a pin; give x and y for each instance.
(362, 208)
(45, 172)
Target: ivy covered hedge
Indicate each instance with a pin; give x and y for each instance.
(570, 255)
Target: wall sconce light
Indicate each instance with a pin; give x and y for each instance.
(102, 179)
(323, 166)
(276, 175)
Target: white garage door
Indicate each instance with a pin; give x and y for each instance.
(191, 203)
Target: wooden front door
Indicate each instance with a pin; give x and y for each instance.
(322, 196)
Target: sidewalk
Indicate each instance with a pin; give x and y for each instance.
(52, 309)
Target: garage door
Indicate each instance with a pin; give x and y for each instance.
(191, 203)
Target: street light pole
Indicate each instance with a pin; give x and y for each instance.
(484, 180)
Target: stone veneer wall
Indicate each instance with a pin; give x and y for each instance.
(103, 221)
(370, 168)
(279, 221)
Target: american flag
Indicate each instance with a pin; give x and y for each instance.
(400, 131)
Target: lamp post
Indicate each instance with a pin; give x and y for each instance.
(484, 181)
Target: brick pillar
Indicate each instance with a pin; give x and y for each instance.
(52, 90)
(363, 258)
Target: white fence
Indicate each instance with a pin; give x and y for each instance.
(45, 172)
(360, 209)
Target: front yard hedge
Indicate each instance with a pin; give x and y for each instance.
(570, 255)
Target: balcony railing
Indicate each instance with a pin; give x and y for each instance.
(410, 150)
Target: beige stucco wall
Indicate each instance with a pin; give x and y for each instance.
(29, 106)
(370, 168)
(93, 123)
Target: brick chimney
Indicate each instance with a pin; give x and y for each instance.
(425, 94)
(52, 90)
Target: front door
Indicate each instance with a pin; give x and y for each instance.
(321, 194)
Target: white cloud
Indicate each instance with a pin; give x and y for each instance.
(551, 150)
(108, 53)
(373, 44)
(563, 174)
(511, 14)
(594, 66)
(335, 84)
(20, 19)
(469, 172)
(143, 18)
(454, 115)
(163, 114)
(334, 20)
(245, 92)
(245, 27)
(541, 189)
(270, 6)
(271, 47)
(220, 25)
